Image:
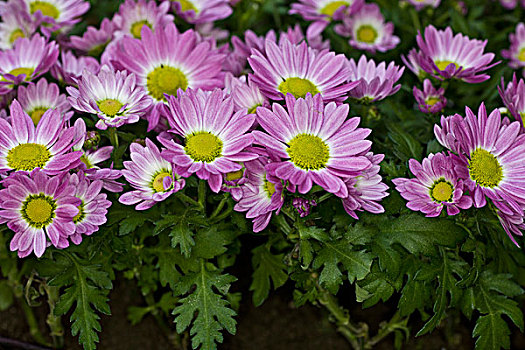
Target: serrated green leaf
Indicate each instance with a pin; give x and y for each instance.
(182, 236)
(378, 288)
(210, 243)
(492, 333)
(415, 295)
(267, 267)
(204, 307)
(130, 224)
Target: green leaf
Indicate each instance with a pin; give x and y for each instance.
(130, 224)
(338, 255)
(492, 332)
(377, 286)
(267, 267)
(210, 243)
(415, 295)
(6, 296)
(182, 236)
(206, 307)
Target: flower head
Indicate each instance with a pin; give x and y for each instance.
(299, 69)
(27, 60)
(368, 31)
(245, 95)
(430, 100)
(490, 158)
(113, 96)
(436, 185)
(445, 56)
(166, 60)
(39, 209)
(36, 99)
(421, 4)
(24, 147)
(513, 97)
(92, 209)
(315, 142)
(513, 224)
(202, 11)
(133, 15)
(55, 14)
(94, 40)
(69, 68)
(366, 190)
(262, 194)
(325, 10)
(516, 51)
(215, 137)
(153, 178)
(15, 25)
(374, 82)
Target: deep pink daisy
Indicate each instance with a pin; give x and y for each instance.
(430, 100)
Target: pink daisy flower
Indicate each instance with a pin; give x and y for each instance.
(133, 15)
(27, 60)
(421, 4)
(214, 136)
(315, 142)
(153, 178)
(516, 51)
(513, 97)
(94, 41)
(113, 96)
(39, 209)
(299, 69)
(436, 185)
(24, 147)
(15, 25)
(374, 82)
(36, 99)
(368, 31)
(262, 194)
(92, 209)
(69, 68)
(430, 100)
(202, 11)
(245, 95)
(366, 190)
(183, 61)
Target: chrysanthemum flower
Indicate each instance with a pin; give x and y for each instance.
(35, 206)
(366, 190)
(14, 26)
(55, 14)
(313, 37)
(113, 96)
(421, 4)
(491, 159)
(133, 15)
(92, 209)
(315, 142)
(516, 51)
(430, 100)
(435, 186)
(298, 70)
(325, 10)
(374, 82)
(214, 136)
(246, 95)
(153, 178)
(513, 97)
(69, 68)
(509, 4)
(368, 31)
(27, 60)
(94, 40)
(202, 11)
(262, 194)
(446, 132)
(24, 147)
(236, 60)
(166, 60)
(513, 224)
(446, 56)
(36, 99)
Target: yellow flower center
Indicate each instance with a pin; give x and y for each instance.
(28, 156)
(366, 34)
(16, 34)
(27, 71)
(165, 79)
(442, 65)
(45, 7)
(187, 5)
(234, 175)
(37, 114)
(442, 191)
(521, 55)
(203, 147)
(81, 214)
(308, 152)
(136, 28)
(110, 107)
(298, 87)
(485, 169)
(158, 181)
(432, 101)
(333, 6)
(269, 187)
(38, 210)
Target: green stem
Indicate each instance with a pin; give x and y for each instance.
(54, 322)
(187, 199)
(113, 138)
(324, 197)
(415, 19)
(202, 194)
(394, 324)
(224, 215)
(219, 207)
(32, 322)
